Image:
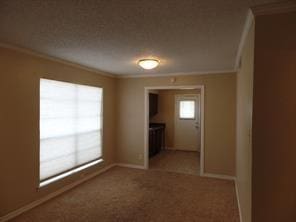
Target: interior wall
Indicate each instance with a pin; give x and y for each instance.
(166, 112)
(274, 119)
(19, 118)
(244, 125)
(220, 118)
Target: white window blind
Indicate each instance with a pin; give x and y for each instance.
(187, 109)
(70, 126)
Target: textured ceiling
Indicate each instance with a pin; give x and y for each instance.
(111, 35)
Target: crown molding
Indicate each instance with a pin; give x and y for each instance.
(54, 59)
(208, 72)
(76, 65)
(248, 23)
(274, 8)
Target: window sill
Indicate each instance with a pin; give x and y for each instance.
(68, 173)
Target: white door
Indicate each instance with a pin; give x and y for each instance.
(187, 122)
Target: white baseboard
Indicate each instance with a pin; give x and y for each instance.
(238, 202)
(226, 177)
(131, 166)
(219, 176)
(52, 195)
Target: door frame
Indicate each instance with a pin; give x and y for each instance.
(146, 120)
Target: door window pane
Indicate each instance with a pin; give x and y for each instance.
(187, 109)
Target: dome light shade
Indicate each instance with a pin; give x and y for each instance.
(148, 63)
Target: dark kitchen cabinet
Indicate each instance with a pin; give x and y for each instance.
(156, 138)
(153, 104)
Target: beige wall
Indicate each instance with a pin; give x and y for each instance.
(274, 119)
(19, 117)
(244, 125)
(123, 114)
(220, 119)
(166, 112)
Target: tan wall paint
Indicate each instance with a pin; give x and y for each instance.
(166, 112)
(244, 125)
(19, 118)
(274, 119)
(220, 119)
(123, 101)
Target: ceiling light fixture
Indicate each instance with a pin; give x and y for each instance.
(148, 63)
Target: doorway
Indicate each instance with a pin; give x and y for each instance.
(188, 132)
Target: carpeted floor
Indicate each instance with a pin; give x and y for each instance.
(176, 161)
(131, 195)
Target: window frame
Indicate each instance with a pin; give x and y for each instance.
(81, 167)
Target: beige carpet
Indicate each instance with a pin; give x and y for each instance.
(176, 161)
(123, 194)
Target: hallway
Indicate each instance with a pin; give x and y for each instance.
(186, 162)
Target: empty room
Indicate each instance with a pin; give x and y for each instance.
(147, 111)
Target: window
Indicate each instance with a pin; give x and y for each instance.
(187, 109)
(70, 128)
